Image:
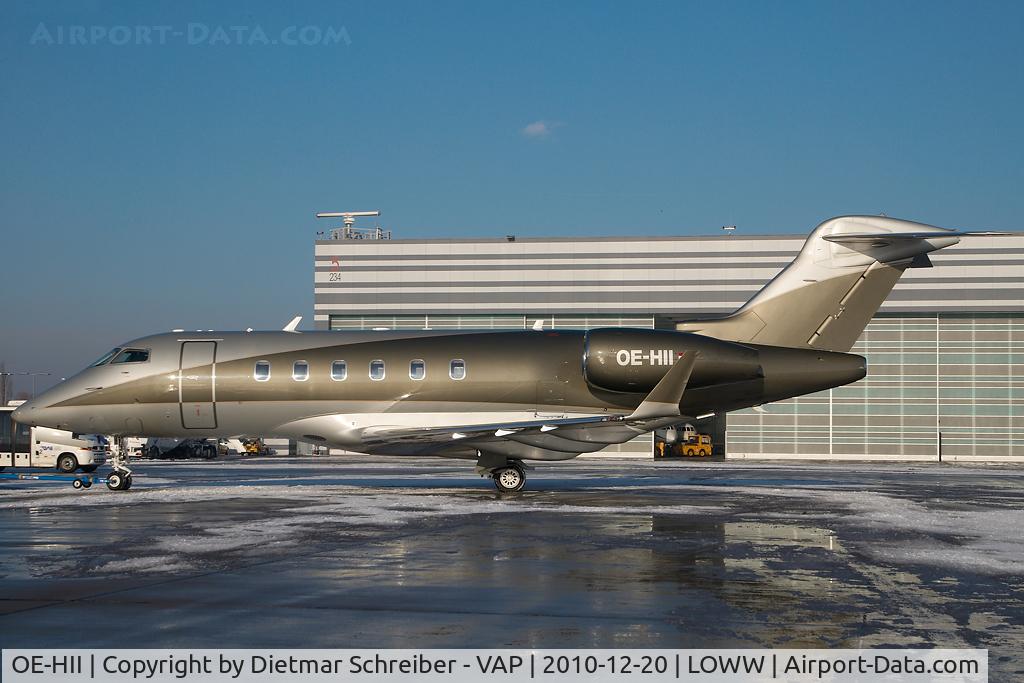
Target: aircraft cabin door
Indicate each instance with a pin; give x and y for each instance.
(196, 393)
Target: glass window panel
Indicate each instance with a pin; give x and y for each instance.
(457, 369)
(417, 369)
(132, 356)
(105, 357)
(262, 371)
(376, 370)
(339, 370)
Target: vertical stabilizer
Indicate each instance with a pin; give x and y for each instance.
(826, 296)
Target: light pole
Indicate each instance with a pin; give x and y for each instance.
(33, 375)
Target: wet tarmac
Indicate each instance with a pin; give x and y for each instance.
(336, 552)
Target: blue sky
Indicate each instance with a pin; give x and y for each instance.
(145, 187)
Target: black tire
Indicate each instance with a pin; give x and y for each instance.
(86, 483)
(67, 463)
(510, 479)
(77, 483)
(115, 481)
(89, 468)
(127, 483)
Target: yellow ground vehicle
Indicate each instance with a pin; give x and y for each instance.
(695, 445)
(699, 445)
(255, 447)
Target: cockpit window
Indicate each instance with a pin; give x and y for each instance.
(106, 357)
(132, 356)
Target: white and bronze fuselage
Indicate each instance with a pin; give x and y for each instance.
(502, 397)
(348, 389)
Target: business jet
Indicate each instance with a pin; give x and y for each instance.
(502, 398)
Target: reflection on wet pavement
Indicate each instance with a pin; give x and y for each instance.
(374, 552)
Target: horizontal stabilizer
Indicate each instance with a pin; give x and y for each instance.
(882, 239)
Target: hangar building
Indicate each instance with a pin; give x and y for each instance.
(945, 352)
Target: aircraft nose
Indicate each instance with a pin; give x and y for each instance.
(27, 413)
(36, 413)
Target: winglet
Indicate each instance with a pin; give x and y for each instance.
(663, 401)
(538, 325)
(290, 327)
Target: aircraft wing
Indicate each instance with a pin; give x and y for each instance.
(550, 439)
(543, 438)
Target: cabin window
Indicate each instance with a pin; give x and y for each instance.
(376, 370)
(417, 369)
(131, 356)
(300, 371)
(106, 357)
(261, 373)
(339, 370)
(457, 369)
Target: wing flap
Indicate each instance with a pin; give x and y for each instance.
(373, 435)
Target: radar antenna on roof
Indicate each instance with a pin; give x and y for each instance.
(349, 231)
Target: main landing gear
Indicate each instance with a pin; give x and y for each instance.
(510, 479)
(509, 475)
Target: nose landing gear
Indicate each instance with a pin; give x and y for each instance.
(119, 481)
(121, 478)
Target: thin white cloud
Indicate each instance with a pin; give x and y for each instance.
(539, 129)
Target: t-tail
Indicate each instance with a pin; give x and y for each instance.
(825, 298)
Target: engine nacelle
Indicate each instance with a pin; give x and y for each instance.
(633, 361)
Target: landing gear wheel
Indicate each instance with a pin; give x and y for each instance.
(118, 481)
(77, 483)
(509, 479)
(67, 463)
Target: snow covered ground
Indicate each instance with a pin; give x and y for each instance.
(593, 553)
